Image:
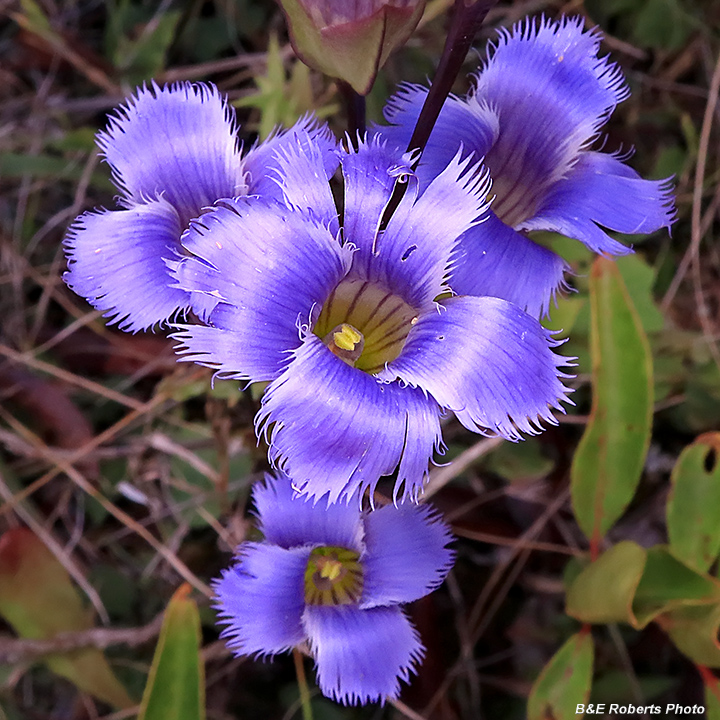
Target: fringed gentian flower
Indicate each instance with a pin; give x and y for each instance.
(535, 108)
(173, 152)
(335, 577)
(356, 331)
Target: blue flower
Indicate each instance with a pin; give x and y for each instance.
(335, 577)
(356, 330)
(173, 152)
(535, 108)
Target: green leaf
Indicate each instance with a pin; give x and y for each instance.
(604, 591)
(693, 509)
(609, 460)
(175, 688)
(39, 600)
(521, 463)
(564, 682)
(632, 585)
(694, 630)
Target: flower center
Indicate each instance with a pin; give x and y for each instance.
(364, 324)
(333, 577)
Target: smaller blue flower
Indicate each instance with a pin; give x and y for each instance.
(534, 110)
(335, 577)
(173, 152)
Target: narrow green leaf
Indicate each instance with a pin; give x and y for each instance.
(604, 591)
(609, 460)
(175, 688)
(564, 682)
(693, 509)
(39, 600)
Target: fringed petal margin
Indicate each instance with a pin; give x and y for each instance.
(261, 599)
(178, 140)
(488, 362)
(269, 269)
(336, 430)
(361, 655)
(603, 191)
(493, 260)
(413, 255)
(471, 127)
(117, 261)
(406, 554)
(291, 520)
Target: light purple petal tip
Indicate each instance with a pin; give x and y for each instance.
(290, 520)
(268, 269)
(361, 655)
(406, 554)
(261, 599)
(117, 261)
(488, 362)
(335, 429)
(179, 140)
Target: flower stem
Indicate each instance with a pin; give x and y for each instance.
(355, 109)
(467, 17)
(302, 685)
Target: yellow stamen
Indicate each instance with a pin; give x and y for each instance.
(347, 338)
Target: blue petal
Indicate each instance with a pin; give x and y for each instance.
(261, 164)
(406, 554)
(179, 141)
(601, 190)
(470, 127)
(370, 174)
(488, 362)
(496, 261)
(361, 655)
(291, 520)
(261, 599)
(269, 269)
(117, 261)
(413, 255)
(335, 429)
(299, 167)
(552, 94)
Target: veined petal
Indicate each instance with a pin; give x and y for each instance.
(470, 126)
(370, 174)
(413, 255)
(602, 190)
(488, 362)
(335, 429)
(291, 520)
(300, 167)
(406, 554)
(116, 260)
(493, 260)
(261, 163)
(178, 140)
(261, 599)
(269, 269)
(361, 654)
(550, 72)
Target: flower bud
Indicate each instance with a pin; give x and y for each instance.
(350, 39)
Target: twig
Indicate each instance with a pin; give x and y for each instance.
(15, 650)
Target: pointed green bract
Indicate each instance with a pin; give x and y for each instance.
(693, 509)
(175, 688)
(609, 460)
(39, 600)
(564, 682)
